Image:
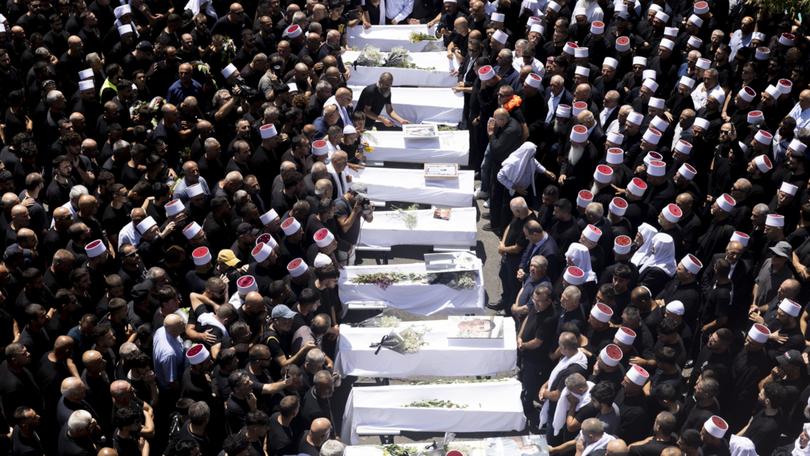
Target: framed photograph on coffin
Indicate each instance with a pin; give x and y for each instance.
(441, 171)
(475, 327)
(420, 131)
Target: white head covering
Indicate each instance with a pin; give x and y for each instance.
(663, 255)
(581, 258)
(647, 232)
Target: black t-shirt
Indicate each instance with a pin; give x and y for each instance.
(372, 97)
(651, 448)
(343, 209)
(540, 325)
(126, 446)
(281, 439)
(24, 446)
(236, 411)
(70, 447)
(305, 447)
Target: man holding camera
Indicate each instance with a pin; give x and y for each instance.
(349, 208)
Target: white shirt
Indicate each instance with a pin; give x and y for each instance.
(128, 235)
(553, 101)
(592, 10)
(398, 10)
(167, 353)
(604, 114)
(701, 94)
(802, 117)
(737, 42)
(344, 113)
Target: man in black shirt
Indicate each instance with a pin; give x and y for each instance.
(25, 439)
(512, 244)
(374, 98)
(534, 344)
(665, 425)
(316, 402)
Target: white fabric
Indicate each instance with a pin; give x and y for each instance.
(387, 37)
(663, 255)
(741, 446)
(439, 76)
(797, 448)
(342, 186)
(647, 232)
(561, 411)
(598, 445)
(519, 169)
(491, 407)
(449, 147)
(388, 229)
(410, 185)
(421, 299)
(420, 105)
(195, 6)
(436, 358)
(578, 358)
(210, 319)
(581, 258)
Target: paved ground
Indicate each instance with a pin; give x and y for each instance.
(487, 250)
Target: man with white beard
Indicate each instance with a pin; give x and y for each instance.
(505, 136)
(577, 161)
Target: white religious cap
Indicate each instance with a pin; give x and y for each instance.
(622, 44)
(687, 171)
(197, 354)
(554, 6)
(657, 168)
(580, 11)
(739, 236)
(195, 190)
(87, 84)
(614, 156)
(146, 224)
(683, 146)
(755, 117)
(788, 188)
(582, 71)
(785, 86)
(500, 36)
(610, 62)
(676, 308)
(321, 260)
(266, 238)
(124, 29)
(201, 256)
(537, 28)
(584, 197)
(534, 20)
(581, 52)
(570, 48)
(486, 72)
(261, 251)
(763, 163)
(246, 284)
(687, 81)
(268, 131)
(563, 111)
(775, 220)
(747, 93)
(625, 335)
(759, 36)
(649, 74)
(349, 130)
(229, 71)
(715, 426)
(622, 245)
(95, 248)
(652, 155)
(603, 174)
(638, 375)
(695, 20)
(174, 207)
(635, 118)
(637, 187)
(86, 74)
(726, 202)
(691, 263)
(615, 137)
(702, 63)
(790, 307)
(577, 107)
(759, 333)
(534, 80)
(601, 312)
(497, 17)
(762, 53)
(121, 11)
(597, 27)
(290, 226)
(611, 355)
(662, 16)
(638, 60)
(191, 230)
(701, 7)
(319, 148)
(652, 136)
(268, 217)
(701, 122)
(796, 145)
(574, 276)
(579, 134)
(667, 43)
(787, 39)
(658, 122)
(592, 233)
(323, 237)
(672, 213)
(293, 31)
(297, 267)
(618, 206)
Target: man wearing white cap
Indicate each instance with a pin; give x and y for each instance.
(716, 235)
(578, 159)
(636, 421)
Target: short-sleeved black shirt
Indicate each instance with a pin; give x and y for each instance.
(372, 97)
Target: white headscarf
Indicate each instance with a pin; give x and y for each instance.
(797, 448)
(579, 255)
(741, 446)
(195, 6)
(663, 255)
(647, 232)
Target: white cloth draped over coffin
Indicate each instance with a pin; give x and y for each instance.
(388, 229)
(435, 359)
(449, 147)
(433, 69)
(387, 37)
(410, 185)
(420, 105)
(491, 407)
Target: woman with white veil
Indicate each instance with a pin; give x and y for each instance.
(660, 266)
(643, 243)
(579, 256)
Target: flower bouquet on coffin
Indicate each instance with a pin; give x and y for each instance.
(408, 340)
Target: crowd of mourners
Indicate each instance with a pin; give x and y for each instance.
(177, 204)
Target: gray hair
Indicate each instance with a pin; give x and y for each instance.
(155, 272)
(573, 292)
(575, 381)
(518, 203)
(332, 448)
(77, 191)
(120, 145)
(53, 96)
(210, 143)
(79, 421)
(595, 209)
(315, 356)
(538, 261)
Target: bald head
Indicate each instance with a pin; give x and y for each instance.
(119, 388)
(107, 452)
(73, 389)
(91, 357)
